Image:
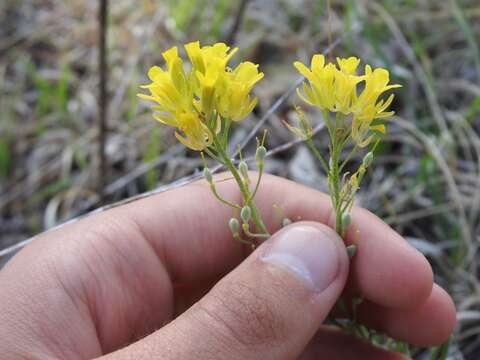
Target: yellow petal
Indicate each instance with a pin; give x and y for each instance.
(154, 72)
(188, 142)
(302, 69)
(170, 56)
(379, 128)
(166, 119)
(318, 62)
(348, 66)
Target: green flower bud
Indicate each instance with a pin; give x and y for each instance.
(243, 168)
(260, 154)
(286, 222)
(208, 175)
(246, 213)
(234, 225)
(367, 159)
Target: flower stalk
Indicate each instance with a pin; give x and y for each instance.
(353, 118)
(358, 119)
(243, 183)
(202, 104)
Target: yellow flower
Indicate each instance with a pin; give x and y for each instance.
(197, 101)
(335, 89)
(208, 65)
(330, 88)
(234, 100)
(197, 135)
(368, 108)
(207, 85)
(170, 88)
(321, 79)
(202, 58)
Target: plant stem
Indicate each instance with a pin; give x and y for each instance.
(243, 187)
(334, 177)
(317, 154)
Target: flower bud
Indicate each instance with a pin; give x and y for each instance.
(286, 222)
(367, 159)
(246, 213)
(243, 168)
(233, 224)
(260, 154)
(208, 175)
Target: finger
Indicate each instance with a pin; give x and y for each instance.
(386, 269)
(331, 343)
(433, 322)
(267, 308)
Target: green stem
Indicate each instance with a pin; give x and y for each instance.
(221, 199)
(317, 154)
(247, 232)
(257, 185)
(243, 187)
(335, 179)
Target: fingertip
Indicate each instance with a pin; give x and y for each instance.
(387, 270)
(417, 279)
(434, 320)
(430, 324)
(443, 306)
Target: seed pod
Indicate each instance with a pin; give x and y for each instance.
(243, 168)
(234, 225)
(260, 154)
(246, 213)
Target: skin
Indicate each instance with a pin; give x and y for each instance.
(168, 266)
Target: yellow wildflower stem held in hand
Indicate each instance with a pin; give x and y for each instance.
(201, 104)
(358, 119)
(354, 115)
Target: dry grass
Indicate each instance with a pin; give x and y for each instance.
(426, 182)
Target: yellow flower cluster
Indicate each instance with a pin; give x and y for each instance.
(336, 89)
(196, 101)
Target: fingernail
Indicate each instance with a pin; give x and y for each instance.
(307, 252)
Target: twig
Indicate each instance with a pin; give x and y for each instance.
(242, 7)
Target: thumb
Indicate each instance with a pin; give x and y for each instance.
(267, 308)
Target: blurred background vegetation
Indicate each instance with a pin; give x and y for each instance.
(426, 179)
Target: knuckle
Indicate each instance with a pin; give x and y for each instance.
(244, 316)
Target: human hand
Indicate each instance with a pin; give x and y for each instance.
(97, 286)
